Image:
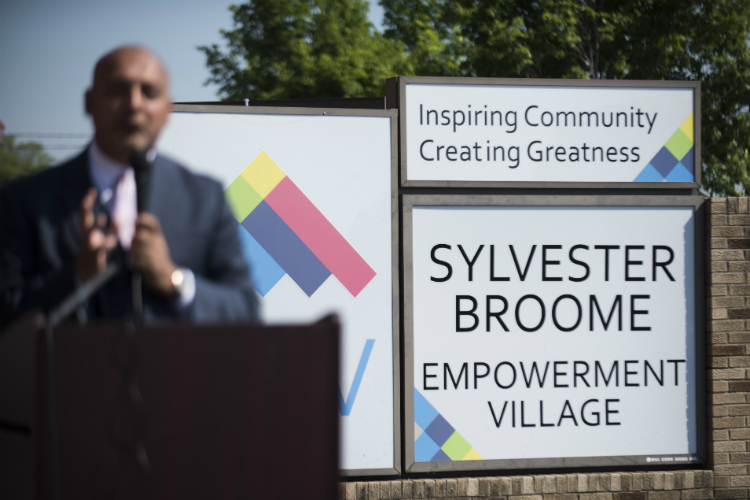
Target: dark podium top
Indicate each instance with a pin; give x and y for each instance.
(183, 412)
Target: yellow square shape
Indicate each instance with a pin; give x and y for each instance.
(687, 127)
(472, 455)
(263, 174)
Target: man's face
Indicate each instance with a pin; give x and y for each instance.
(129, 102)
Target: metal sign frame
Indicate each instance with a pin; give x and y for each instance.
(395, 301)
(484, 200)
(398, 95)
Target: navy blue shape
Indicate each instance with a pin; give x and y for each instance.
(440, 430)
(264, 271)
(440, 456)
(286, 248)
(664, 161)
(688, 161)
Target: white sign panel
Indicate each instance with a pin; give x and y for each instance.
(312, 196)
(544, 133)
(552, 332)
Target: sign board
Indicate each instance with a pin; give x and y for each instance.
(464, 132)
(313, 192)
(552, 331)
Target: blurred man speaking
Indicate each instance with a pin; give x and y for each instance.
(61, 227)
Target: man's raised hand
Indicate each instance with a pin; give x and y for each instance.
(150, 254)
(96, 240)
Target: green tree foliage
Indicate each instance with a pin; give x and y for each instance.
(434, 45)
(635, 40)
(283, 49)
(326, 48)
(24, 158)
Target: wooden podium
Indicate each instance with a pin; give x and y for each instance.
(181, 411)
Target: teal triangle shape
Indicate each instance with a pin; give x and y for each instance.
(680, 174)
(264, 270)
(649, 174)
(424, 412)
(425, 448)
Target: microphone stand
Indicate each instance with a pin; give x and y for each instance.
(142, 171)
(54, 318)
(81, 295)
(137, 289)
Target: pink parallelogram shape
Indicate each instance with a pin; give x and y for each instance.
(320, 236)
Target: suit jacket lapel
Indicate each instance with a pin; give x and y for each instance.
(163, 193)
(77, 182)
(161, 196)
(78, 179)
(156, 193)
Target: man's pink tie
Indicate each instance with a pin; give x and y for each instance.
(125, 211)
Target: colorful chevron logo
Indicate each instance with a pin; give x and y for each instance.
(435, 440)
(675, 161)
(282, 233)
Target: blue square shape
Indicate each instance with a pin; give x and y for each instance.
(688, 161)
(649, 174)
(425, 448)
(264, 271)
(680, 174)
(286, 248)
(440, 456)
(440, 430)
(664, 161)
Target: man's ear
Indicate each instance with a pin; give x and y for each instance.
(87, 101)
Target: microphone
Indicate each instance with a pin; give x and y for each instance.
(142, 170)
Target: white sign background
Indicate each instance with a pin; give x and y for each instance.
(655, 420)
(671, 106)
(343, 165)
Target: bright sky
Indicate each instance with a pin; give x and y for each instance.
(48, 50)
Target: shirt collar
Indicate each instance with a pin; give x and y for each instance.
(105, 172)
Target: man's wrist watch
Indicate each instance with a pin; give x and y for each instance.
(178, 281)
